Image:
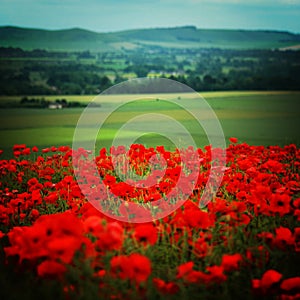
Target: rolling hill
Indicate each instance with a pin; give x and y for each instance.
(77, 39)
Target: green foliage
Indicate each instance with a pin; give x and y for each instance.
(40, 72)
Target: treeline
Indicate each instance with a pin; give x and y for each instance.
(31, 102)
(41, 72)
(242, 80)
(64, 82)
(11, 52)
(43, 103)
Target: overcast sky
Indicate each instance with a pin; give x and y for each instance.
(114, 15)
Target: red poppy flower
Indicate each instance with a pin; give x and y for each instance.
(291, 285)
(195, 218)
(167, 288)
(135, 267)
(63, 248)
(231, 262)
(269, 279)
(201, 247)
(17, 153)
(283, 238)
(136, 210)
(45, 150)
(34, 213)
(19, 147)
(184, 269)
(93, 225)
(216, 274)
(26, 151)
(187, 274)
(233, 140)
(273, 166)
(145, 234)
(141, 267)
(50, 268)
(27, 243)
(120, 267)
(280, 203)
(111, 237)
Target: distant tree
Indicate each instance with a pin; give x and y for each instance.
(105, 83)
(141, 71)
(118, 79)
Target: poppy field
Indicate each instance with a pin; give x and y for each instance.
(243, 244)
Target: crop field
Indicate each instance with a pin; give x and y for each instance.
(257, 118)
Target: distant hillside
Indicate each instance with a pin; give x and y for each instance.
(179, 37)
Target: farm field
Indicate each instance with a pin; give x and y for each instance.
(257, 118)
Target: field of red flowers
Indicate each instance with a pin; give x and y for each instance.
(244, 244)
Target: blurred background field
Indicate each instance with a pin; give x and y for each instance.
(257, 118)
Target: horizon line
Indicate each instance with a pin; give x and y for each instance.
(148, 28)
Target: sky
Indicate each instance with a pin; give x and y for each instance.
(116, 15)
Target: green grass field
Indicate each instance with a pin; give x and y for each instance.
(257, 118)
